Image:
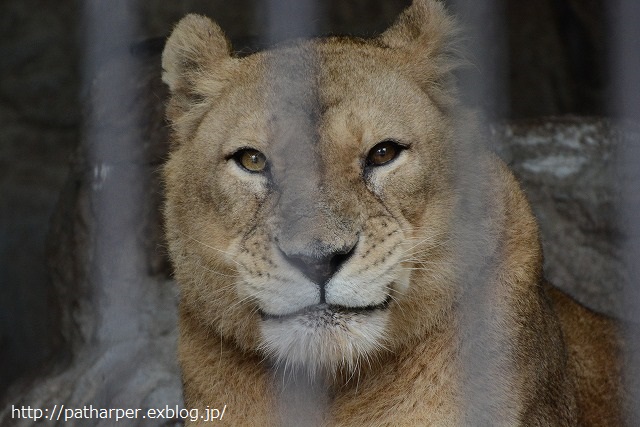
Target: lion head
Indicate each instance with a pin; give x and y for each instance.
(310, 188)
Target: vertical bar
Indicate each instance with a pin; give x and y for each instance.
(290, 19)
(115, 157)
(303, 398)
(485, 39)
(485, 353)
(624, 19)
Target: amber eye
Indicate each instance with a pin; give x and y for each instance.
(383, 153)
(250, 159)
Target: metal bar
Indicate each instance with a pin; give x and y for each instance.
(625, 71)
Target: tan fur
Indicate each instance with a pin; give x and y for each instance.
(471, 334)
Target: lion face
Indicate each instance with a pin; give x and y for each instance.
(309, 197)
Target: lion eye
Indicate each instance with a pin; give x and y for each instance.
(251, 160)
(383, 152)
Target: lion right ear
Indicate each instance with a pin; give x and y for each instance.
(425, 37)
(196, 65)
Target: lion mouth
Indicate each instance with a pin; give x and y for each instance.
(327, 309)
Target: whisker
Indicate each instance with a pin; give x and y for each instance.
(210, 270)
(231, 256)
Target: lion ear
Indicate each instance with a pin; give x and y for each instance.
(196, 65)
(425, 34)
(196, 43)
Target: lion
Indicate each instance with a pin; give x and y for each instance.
(347, 251)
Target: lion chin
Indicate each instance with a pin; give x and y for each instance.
(324, 338)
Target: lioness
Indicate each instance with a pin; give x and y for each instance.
(347, 252)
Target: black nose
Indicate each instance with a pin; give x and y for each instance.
(319, 269)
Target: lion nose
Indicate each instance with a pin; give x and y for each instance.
(319, 269)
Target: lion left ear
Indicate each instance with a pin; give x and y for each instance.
(425, 34)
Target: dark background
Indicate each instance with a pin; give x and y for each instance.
(553, 56)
